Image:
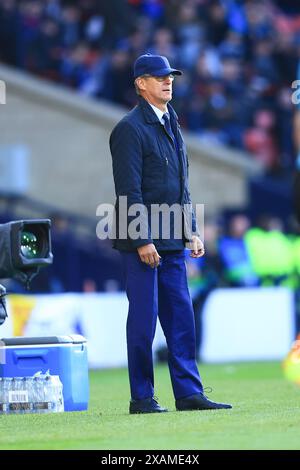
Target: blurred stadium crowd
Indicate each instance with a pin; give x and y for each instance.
(239, 58)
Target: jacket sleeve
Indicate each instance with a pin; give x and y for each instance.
(189, 214)
(127, 158)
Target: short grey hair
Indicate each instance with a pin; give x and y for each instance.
(137, 90)
(135, 84)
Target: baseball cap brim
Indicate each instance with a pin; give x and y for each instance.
(166, 71)
(162, 72)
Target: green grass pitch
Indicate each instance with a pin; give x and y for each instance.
(265, 415)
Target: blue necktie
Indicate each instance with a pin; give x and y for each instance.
(168, 127)
(174, 163)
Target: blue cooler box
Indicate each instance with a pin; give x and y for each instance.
(65, 356)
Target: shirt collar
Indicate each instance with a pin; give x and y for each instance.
(158, 113)
(149, 114)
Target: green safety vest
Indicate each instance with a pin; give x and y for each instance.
(271, 253)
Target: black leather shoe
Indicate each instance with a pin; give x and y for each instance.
(148, 405)
(199, 402)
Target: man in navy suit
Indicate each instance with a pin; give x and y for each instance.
(150, 168)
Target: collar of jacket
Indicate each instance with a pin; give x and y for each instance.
(150, 115)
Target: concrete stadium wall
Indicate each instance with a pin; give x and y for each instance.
(70, 164)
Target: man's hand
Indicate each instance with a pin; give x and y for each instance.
(149, 255)
(196, 247)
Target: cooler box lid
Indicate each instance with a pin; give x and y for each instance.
(28, 341)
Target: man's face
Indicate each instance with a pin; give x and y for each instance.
(156, 90)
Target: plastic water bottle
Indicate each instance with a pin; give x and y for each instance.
(16, 397)
(2, 404)
(38, 404)
(27, 385)
(49, 395)
(7, 388)
(36, 394)
(54, 394)
(57, 393)
(41, 393)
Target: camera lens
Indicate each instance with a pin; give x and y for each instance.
(29, 245)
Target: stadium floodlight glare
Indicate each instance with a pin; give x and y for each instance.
(25, 247)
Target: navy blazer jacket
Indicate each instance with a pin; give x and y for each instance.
(141, 150)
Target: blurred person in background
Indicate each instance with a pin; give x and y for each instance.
(260, 138)
(270, 252)
(150, 167)
(234, 254)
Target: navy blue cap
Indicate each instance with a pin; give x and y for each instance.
(157, 65)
